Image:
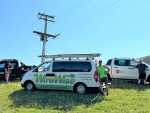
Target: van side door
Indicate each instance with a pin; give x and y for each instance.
(63, 77)
(132, 73)
(119, 69)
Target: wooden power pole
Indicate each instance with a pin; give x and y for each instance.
(45, 35)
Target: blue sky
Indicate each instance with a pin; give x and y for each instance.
(115, 28)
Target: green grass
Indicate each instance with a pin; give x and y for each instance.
(124, 97)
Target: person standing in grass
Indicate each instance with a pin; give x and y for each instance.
(142, 71)
(103, 76)
(8, 68)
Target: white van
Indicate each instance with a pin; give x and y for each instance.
(77, 75)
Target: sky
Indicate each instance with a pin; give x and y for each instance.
(114, 28)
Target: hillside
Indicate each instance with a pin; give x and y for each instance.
(146, 59)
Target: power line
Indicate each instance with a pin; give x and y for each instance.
(27, 43)
(73, 10)
(66, 44)
(70, 9)
(67, 11)
(25, 37)
(93, 18)
(91, 15)
(28, 46)
(36, 53)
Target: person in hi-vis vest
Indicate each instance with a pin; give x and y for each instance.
(103, 76)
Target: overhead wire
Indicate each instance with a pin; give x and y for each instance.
(66, 12)
(94, 17)
(61, 46)
(66, 44)
(70, 8)
(73, 10)
(36, 53)
(28, 43)
(24, 38)
(62, 41)
(90, 16)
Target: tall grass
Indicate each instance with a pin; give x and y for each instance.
(124, 97)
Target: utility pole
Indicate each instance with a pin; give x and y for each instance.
(45, 35)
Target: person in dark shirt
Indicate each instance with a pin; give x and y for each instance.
(10, 67)
(142, 71)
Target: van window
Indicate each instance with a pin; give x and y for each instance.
(81, 67)
(43, 67)
(61, 67)
(121, 62)
(109, 62)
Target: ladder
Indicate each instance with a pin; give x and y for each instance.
(88, 56)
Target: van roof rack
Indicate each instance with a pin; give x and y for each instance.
(88, 56)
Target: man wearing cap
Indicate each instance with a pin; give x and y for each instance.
(103, 76)
(8, 68)
(142, 71)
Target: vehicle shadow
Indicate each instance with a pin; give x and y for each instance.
(120, 84)
(58, 100)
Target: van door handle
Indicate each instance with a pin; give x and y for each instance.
(50, 74)
(115, 67)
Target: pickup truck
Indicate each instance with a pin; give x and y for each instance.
(119, 69)
(17, 72)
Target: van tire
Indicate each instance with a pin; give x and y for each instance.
(29, 86)
(81, 88)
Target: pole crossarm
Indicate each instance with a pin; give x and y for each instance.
(45, 17)
(48, 35)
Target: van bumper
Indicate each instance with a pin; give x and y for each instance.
(22, 85)
(93, 89)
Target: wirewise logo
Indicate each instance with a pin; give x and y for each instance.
(58, 79)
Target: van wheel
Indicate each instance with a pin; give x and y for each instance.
(81, 89)
(29, 86)
(21, 76)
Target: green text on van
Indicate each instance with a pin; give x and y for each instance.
(59, 79)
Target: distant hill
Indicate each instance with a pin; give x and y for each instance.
(146, 59)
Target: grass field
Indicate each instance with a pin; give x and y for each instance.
(124, 97)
